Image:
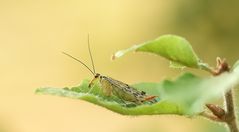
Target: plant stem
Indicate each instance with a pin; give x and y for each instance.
(227, 115)
(230, 112)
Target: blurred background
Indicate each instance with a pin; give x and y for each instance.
(33, 34)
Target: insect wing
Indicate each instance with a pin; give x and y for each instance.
(126, 92)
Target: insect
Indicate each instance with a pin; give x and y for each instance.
(111, 86)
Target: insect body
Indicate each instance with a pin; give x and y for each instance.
(111, 86)
(122, 90)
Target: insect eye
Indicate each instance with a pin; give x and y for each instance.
(97, 75)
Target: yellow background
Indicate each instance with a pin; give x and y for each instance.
(33, 34)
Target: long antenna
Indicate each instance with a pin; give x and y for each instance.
(79, 61)
(91, 58)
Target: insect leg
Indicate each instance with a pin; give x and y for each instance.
(92, 82)
(91, 87)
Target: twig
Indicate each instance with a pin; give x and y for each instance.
(219, 114)
(230, 112)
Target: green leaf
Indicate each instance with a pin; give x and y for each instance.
(191, 92)
(95, 96)
(186, 95)
(175, 48)
(176, 65)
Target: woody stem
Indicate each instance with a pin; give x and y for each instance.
(230, 112)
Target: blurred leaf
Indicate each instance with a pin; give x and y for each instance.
(191, 92)
(235, 65)
(175, 48)
(186, 95)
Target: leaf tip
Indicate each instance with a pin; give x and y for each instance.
(117, 55)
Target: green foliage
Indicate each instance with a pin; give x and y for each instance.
(175, 48)
(113, 103)
(184, 96)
